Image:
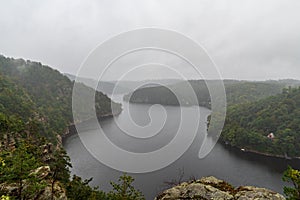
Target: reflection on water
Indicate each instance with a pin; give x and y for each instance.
(234, 166)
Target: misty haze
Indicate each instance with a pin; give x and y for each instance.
(133, 100)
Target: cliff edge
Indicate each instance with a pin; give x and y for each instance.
(212, 188)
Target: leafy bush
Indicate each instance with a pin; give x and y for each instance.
(292, 176)
(123, 190)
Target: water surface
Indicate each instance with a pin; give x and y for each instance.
(232, 165)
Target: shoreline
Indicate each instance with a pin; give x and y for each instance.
(165, 104)
(251, 151)
(71, 129)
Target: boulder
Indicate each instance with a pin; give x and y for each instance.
(208, 188)
(41, 172)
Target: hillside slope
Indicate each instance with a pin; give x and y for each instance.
(36, 107)
(48, 92)
(236, 92)
(249, 125)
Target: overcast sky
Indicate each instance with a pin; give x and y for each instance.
(248, 39)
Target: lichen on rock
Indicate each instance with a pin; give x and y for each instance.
(208, 188)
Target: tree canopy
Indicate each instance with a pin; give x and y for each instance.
(270, 125)
(30, 90)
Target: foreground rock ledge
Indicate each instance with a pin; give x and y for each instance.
(213, 188)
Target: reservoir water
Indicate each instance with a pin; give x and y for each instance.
(232, 165)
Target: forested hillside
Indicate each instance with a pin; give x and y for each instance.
(35, 107)
(44, 92)
(255, 111)
(236, 92)
(105, 87)
(245, 92)
(14, 101)
(270, 125)
(175, 94)
(32, 168)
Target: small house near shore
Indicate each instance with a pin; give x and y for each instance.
(271, 136)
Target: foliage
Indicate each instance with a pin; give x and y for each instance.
(60, 160)
(31, 90)
(36, 101)
(59, 165)
(123, 190)
(78, 189)
(5, 197)
(14, 100)
(181, 93)
(255, 109)
(19, 159)
(246, 92)
(293, 176)
(237, 92)
(16, 167)
(248, 125)
(35, 106)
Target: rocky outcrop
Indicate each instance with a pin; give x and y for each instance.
(250, 192)
(208, 188)
(41, 172)
(59, 193)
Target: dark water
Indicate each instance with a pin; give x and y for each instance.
(234, 166)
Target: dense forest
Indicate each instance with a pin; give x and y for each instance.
(35, 109)
(270, 125)
(180, 93)
(175, 94)
(36, 91)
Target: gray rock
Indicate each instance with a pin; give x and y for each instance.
(212, 188)
(250, 192)
(41, 172)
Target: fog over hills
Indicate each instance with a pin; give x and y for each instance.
(252, 40)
